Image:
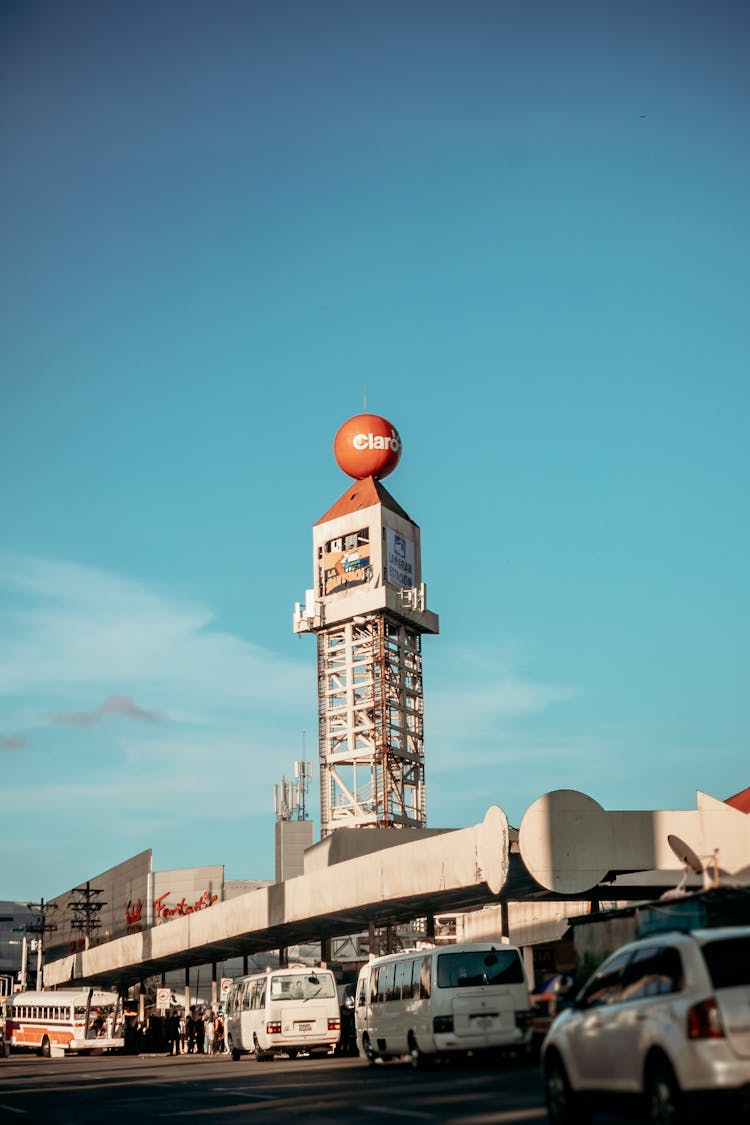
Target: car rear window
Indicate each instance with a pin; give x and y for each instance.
(472, 967)
(728, 961)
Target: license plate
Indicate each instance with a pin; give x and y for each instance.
(304, 1027)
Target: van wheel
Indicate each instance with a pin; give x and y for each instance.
(419, 1060)
(260, 1054)
(292, 1052)
(367, 1048)
(45, 1049)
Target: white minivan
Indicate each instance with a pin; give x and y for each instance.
(453, 999)
(291, 1010)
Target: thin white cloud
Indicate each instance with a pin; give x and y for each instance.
(485, 697)
(69, 630)
(91, 661)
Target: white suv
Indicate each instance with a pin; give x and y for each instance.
(664, 1023)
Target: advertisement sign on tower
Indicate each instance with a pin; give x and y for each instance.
(399, 562)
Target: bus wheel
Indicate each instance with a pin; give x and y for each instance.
(369, 1053)
(419, 1060)
(45, 1049)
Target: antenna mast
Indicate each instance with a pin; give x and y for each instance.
(290, 797)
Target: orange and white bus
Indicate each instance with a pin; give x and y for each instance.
(59, 1023)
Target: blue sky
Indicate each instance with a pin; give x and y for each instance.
(521, 229)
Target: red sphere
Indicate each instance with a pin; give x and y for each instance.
(367, 446)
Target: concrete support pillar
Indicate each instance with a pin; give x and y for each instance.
(528, 964)
(187, 992)
(504, 918)
(325, 951)
(244, 964)
(214, 987)
(283, 957)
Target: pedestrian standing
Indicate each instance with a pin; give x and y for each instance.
(173, 1033)
(190, 1025)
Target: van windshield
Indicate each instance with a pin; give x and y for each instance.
(479, 967)
(302, 986)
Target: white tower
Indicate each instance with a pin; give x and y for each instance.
(368, 610)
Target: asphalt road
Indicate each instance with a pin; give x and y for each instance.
(201, 1090)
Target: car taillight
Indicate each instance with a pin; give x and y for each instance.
(334, 1025)
(442, 1024)
(273, 1028)
(704, 1022)
(524, 1020)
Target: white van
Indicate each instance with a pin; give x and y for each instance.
(433, 1002)
(289, 1010)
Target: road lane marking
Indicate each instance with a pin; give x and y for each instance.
(503, 1117)
(387, 1112)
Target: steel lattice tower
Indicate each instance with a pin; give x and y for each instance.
(367, 609)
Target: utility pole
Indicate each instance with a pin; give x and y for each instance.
(86, 911)
(40, 926)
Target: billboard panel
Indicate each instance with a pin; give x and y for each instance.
(399, 559)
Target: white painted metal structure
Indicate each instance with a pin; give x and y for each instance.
(368, 611)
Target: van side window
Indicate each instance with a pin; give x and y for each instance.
(402, 983)
(362, 993)
(388, 983)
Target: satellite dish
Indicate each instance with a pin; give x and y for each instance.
(685, 854)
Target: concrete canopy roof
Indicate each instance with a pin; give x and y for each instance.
(452, 870)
